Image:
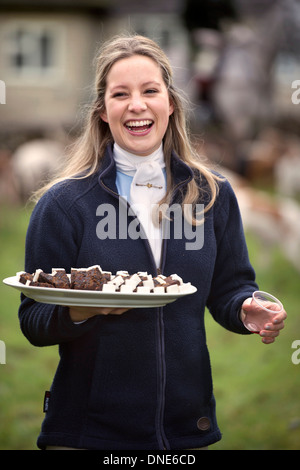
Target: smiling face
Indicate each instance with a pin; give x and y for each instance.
(137, 104)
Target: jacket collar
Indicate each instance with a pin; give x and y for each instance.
(108, 172)
(182, 173)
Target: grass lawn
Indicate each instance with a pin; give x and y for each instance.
(28, 370)
(256, 385)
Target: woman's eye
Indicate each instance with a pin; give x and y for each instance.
(150, 91)
(119, 94)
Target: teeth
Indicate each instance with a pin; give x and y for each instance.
(138, 123)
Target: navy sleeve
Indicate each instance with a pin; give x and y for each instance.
(51, 242)
(234, 277)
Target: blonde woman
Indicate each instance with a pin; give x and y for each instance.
(137, 378)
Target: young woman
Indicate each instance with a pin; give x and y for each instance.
(137, 378)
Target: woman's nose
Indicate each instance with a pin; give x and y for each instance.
(137, 104)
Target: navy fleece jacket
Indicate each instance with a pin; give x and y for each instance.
(141, 380)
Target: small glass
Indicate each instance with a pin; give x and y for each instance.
(265, 306)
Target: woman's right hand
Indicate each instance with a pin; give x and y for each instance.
(79, 314)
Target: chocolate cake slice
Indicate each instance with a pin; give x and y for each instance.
(60, 279)
(38, 284)
(78, 278)
(23, 277)
(90, 278)
(43, 278)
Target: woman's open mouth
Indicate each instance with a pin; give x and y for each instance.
(139, 127)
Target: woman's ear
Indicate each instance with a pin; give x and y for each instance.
(171, 107)
(103, 116)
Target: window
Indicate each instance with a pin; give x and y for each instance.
(32, 50)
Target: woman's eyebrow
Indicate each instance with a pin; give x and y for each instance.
(117, 87)
(124, 86)
(151, 82)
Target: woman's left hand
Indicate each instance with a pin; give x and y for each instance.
(272, 329)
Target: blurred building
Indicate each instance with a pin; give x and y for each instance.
(47, 50)
(235, 59)
(45, 61)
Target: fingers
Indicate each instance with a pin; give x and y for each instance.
(277, 322)
(272, 330)
(111, 311)
(267, 340)
(79, 314)
(268, 336)
(280, 318)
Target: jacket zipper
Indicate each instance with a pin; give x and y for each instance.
(161, 354)
(162, 440)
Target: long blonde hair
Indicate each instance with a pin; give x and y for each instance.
(86, 153)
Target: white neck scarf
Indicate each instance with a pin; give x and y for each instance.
(148, 187)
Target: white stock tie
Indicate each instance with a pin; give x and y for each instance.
(148, 187)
